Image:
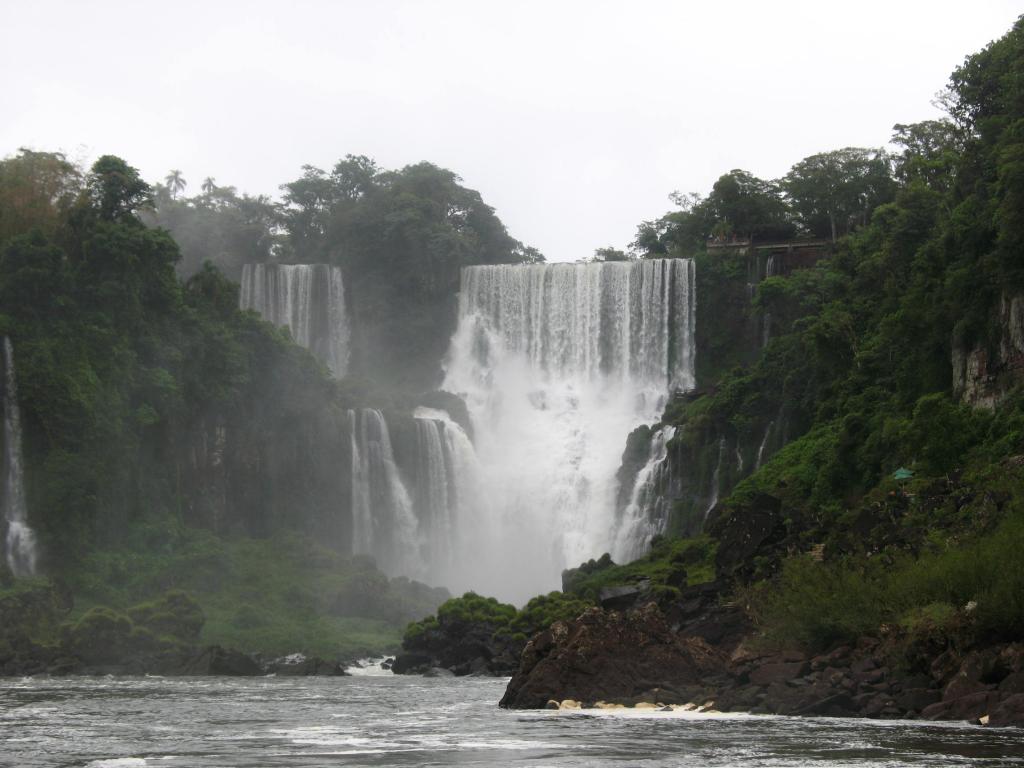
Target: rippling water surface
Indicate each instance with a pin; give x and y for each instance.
(374, 721)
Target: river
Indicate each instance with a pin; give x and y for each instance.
(403, 721)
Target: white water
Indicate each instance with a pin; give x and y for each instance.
(20, 542)
(764, 444)
(715, 479)
(646, 514)
(557, 364)
(307, 298)
(449, 503)
(383, 524)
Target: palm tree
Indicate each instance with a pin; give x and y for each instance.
(175, 183)
(209, 185)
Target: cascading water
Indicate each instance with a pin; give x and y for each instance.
(447, 502)
(309, 299)
(19, 540)
(764, 444)
(383, 524)
(557, 363)
(715, 479)
(646, 514)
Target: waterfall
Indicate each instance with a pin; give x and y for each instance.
(19, 541)
(764, 444)
(307, 298)
(557, 364)
(383, 524)
(447, 502)
(646, 514)
(715, 479)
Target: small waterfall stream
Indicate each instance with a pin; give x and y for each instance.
(20, 551)
(646, 514)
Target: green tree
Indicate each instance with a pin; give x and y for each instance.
(834, 192)
(175, 183)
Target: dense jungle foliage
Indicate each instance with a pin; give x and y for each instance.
(864, 366)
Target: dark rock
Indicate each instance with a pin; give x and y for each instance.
(411, 663)
(779, 672)
(917, 699)
(1008, 712)
(622, 597)
(1012, 683)
(215, 660)
(983, 666)
(961, 686)
(610, 656)
(969, 707)
(862, 666)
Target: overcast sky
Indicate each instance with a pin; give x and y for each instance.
(574, 120)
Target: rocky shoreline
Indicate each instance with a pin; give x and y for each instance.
(646, 657)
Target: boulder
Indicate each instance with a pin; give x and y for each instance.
(782, 672)
(917, 699)
(1008, 712)
(620, 598)
(609, 656)
(215, 660)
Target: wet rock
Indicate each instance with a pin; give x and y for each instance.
(216, 660)
(411, 663)
(969, 707)
(622, 597)
(917, 699)
(961, 686)
(782, 672)
(610, 656)
(1012, 683)
(1008, 712)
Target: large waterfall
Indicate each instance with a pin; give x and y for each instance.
(19, 540)
(557, 363)
(307, 298)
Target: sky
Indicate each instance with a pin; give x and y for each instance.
(574, 120)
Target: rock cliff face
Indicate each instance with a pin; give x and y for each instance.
(985, 372)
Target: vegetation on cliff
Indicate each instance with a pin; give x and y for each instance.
(860, 365)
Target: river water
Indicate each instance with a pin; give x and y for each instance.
(402, 721)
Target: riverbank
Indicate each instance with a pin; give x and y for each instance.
(641, 658)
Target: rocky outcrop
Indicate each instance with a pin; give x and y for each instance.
(984, 373)
(608, 658)
(459, 648)
(613, 656)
